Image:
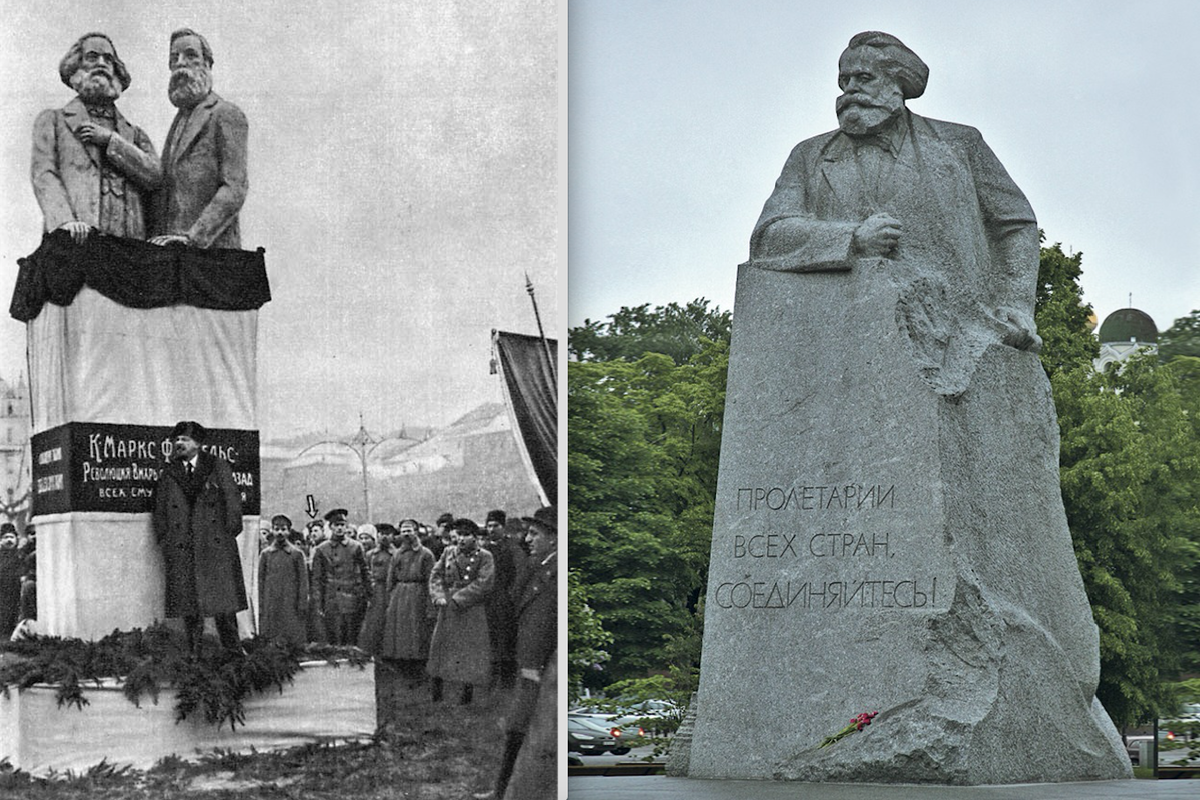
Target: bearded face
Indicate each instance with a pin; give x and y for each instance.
(96, 84)
(870, 98)
(189, 85)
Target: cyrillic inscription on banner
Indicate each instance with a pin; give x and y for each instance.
(91, 466)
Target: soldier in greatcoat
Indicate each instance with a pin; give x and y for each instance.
(341, 582)
(379, 561)
(282, 587)
(459, 585)
(197, 519)
(502, 620)
(537, 623)
(408, 623)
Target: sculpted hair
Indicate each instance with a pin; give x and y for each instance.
(901, 63)
(205, 50)
(74, 58)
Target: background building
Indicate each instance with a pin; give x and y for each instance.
(1123, 333)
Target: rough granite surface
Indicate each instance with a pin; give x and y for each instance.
(889, 536)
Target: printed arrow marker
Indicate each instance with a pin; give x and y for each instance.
(311, 507)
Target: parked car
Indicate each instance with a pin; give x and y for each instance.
(656, 717)
(1131, 746)
(627, 737)
(589, 738)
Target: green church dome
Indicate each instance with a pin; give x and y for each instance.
(1128, 324)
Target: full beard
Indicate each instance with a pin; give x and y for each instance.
(189, 85)
(97, 86)
(858, 116)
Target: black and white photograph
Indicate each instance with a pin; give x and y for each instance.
(279, 398)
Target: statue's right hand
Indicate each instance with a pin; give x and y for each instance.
(170, 238)
(878, 235)
(79, 230)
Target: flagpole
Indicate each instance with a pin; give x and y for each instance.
(541, 333)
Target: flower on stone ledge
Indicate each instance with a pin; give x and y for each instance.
(856, 724)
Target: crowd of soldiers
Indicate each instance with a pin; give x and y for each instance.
(442, 599)
(467, 606)
(18, 577)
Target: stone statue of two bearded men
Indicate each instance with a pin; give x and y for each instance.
(93, 170)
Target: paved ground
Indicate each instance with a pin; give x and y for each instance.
(662, 788)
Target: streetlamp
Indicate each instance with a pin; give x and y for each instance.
(362, 444)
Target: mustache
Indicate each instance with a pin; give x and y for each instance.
(850, 100)
(183, 75)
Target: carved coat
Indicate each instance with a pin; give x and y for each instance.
(199, 538)
(460, 650)
(967, 260)
(204, 174)
(68, 175)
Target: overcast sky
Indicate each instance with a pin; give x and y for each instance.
(682, 113)
(403, 179)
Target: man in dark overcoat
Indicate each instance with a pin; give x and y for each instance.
(197, 519)
(537, 624)
(502, 621)
(10, 580)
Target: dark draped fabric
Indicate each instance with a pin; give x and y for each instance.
(138, 274)
(529, 380)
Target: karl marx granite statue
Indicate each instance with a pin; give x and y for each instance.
(888, 530)
(927, 197)
(91, 168)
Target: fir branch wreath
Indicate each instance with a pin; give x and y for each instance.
(215, 685)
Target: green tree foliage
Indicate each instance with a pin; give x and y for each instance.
(1181, 339)
(672, 330)
(1129, 475)
(643, 442)
(586, 637)
(1063, 320)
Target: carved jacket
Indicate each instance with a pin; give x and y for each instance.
(964, 220)
(69, 176)
(204, 174)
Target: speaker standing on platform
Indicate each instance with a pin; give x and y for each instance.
(197, 519)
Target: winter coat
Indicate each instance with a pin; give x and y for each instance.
(408, 624)
(199, 539)
(283, 594)
(370, 635)
(460, 650)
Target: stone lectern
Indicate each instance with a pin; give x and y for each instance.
(889, 531)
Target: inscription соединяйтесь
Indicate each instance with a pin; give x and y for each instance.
(866, 593)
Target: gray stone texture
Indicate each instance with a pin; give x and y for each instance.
(990, 676)
(889, 532)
